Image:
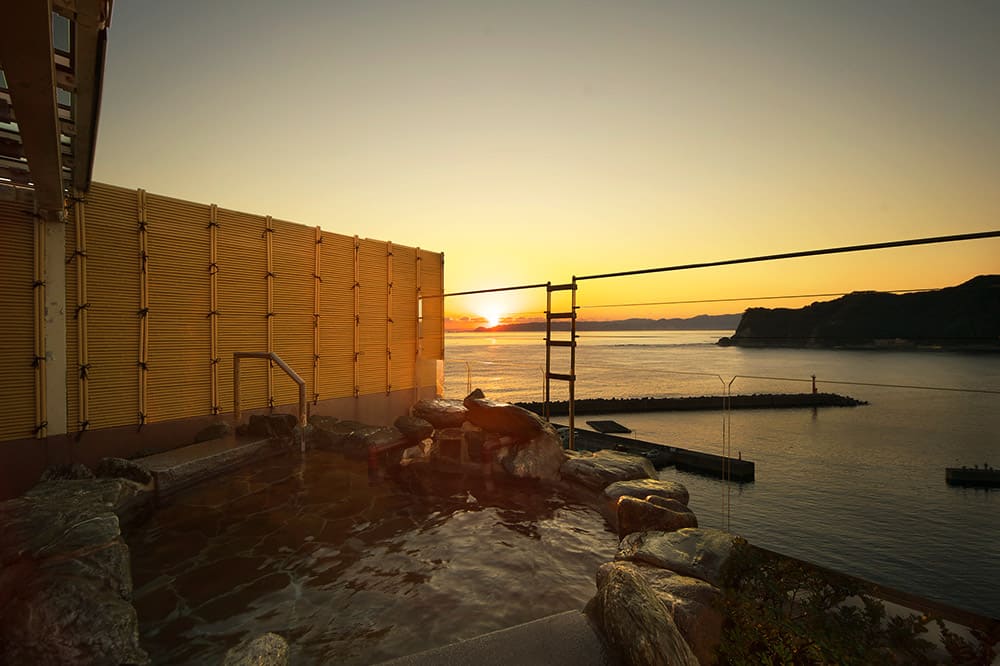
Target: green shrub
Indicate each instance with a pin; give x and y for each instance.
(783, 611)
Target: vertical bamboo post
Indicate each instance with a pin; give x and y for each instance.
(81, 314)
(388, 318)
(317, 296)
(417, 344)
(440, 351)
(213, 306)
(143, 363)
(236, 390)
(268, 232)
(38, 294)
(357, 317)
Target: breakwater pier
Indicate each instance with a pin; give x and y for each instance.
(696, 403)
(723, 467)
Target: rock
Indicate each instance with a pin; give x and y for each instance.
(359, 443)
(636, 622)
(66, 472)
(416, 452)
(475, 438)
(68, 620)
(414, 428)
(602, 468)
(108, 566)
(503, 417)
(639, 515)
(666, 503)
(449, 443)
(642, 488)
(441, 413)
(264, 650)
(693, 604)
(332, 434)
(698, 552)
(65, 576)
(119, 468)
(272, 425)
(541, 458)
(216, 430)
(320, 421)
(73, 501)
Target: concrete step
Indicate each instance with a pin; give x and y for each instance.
(177, 469)
(564, 639)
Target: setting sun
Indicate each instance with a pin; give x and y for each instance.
(492, 318)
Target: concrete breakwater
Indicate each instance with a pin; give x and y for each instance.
(661, 455)
(696, 403)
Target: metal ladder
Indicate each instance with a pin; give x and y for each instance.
(571, 343)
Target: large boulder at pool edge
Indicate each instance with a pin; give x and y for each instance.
(503, 417)
(539, 458)
(441, 413)
(636, 620)
(698, 552)
(602, 468)
(653, 513)
(694, 605)
(65, 578)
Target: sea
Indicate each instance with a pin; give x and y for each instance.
(860, 490)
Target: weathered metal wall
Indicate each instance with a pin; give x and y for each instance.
(160, 292)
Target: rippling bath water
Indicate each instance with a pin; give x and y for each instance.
(355, 573)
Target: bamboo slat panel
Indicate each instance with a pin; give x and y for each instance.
(294, 248)
(355, 308)
(431, 280)
(179, 379)
(113, 264)
(374, 315)
(17, 325)
(72, 334)
(336, 319)
(242, 295)
(404, 316)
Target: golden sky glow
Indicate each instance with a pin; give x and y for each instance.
(531, 141)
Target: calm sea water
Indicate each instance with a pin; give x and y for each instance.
(860, 490)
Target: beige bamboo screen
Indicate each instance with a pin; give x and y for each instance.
(160, 292)
(336, 315)
(114, 325)
(18, 323)
(430, 285)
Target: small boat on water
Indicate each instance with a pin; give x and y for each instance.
(972, 476)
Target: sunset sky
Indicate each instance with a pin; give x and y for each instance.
(531, 141)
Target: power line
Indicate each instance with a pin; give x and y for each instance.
(804, 253)
(489, 291)
(747, 298)
(716, 375)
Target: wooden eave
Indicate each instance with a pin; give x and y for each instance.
(34, 70)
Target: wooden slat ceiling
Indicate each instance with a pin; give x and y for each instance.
(52, 65)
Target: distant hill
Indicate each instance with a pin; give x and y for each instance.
(700, 323)
(964, 316)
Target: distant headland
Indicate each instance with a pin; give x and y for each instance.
(699, 323)
(966, 316)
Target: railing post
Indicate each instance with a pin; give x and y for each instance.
(269, 357)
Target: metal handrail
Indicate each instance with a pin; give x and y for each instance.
(271, 356)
